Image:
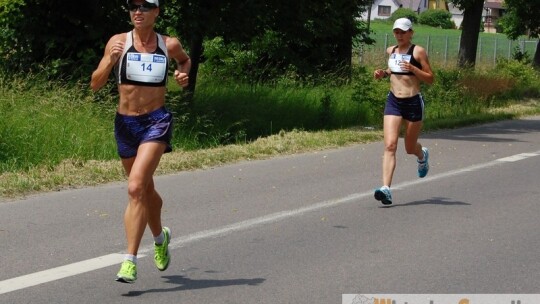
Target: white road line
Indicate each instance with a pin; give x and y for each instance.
(116, 258)
(517, 157)
(512, 158)
(59, 272)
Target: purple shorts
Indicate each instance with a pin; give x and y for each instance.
(410, 108)
(131, 131)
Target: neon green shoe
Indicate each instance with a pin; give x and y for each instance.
(161, 252)
(127, 273)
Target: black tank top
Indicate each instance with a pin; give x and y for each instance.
(413, 60)
(144, 69)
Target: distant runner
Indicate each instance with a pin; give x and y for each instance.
(408, 66)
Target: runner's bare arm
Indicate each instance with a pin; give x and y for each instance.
(113, 51)
(183, 62)
(425, 74)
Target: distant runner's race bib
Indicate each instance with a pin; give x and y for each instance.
(395, 59)
(149, 68)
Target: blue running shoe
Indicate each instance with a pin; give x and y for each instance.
(383, 194)
(423, 166)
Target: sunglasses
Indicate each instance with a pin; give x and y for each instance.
(145, 7)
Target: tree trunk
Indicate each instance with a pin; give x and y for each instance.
(196, 50)
(472, 18)
(345, 44)
(536, 60)
(345, 54)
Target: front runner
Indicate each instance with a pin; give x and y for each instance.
(143, 126)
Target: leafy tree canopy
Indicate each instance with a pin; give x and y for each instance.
(71, 34)
(521, 16)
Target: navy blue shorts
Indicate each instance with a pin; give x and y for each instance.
(410, 108)
(131, 131)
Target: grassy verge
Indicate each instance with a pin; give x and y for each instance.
(75, 173)
(55, 136)
(45, 124)
(72, 173)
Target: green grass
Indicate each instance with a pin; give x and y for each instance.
(43, 125)
(55, 136)
(263, 111)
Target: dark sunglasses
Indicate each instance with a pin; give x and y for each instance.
(145, 7)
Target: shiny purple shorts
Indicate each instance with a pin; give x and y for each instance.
(131, 131)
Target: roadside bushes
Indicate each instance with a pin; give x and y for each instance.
(404, 13)
(253, 62)
(370, 95)
(465, 92)
(525, 78)
(432, 17)
(437, 18)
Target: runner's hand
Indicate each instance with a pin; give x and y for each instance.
(181, 78)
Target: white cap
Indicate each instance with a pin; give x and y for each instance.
(154, 2)
(403, 24)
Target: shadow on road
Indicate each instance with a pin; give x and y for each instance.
(502, 131)
(442, 201)
(185, 283)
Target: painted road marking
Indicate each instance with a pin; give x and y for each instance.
(517, 157)
(116, 258)
(59, 272)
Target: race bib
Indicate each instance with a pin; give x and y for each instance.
(395, 59)
(150, 68)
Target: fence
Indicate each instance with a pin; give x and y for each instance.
(443, 50)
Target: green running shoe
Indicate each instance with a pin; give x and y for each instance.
(161, 252)
(127, 273)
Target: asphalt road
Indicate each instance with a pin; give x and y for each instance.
(298, 229)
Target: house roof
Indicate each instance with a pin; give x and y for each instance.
(410, 4)
(493, 4)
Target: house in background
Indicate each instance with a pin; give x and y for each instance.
(457, 14)
(415, 5)
(383, 9)
(493, 10)
(438, 4)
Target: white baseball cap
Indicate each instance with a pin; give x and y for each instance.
(154, 2)
(403, 24)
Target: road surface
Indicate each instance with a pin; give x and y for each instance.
(298, 229)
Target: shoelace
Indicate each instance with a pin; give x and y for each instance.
(161, 250)
(128, 267)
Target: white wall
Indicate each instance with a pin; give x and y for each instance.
(375, 9)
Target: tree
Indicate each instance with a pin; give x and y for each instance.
(472, 18)
(522, 16)
(196, 21)
(317, 34)
(70, 33)
(313, 35)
